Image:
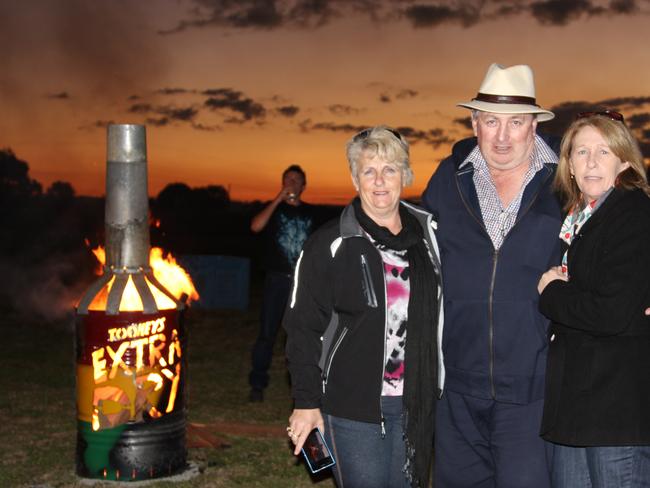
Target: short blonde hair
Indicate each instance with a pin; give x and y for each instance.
(623, 145)
(380, 141)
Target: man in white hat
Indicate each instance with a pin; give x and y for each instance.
(498, 224)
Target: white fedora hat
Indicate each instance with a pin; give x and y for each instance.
(508, 91)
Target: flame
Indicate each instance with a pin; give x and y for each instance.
(171, 274)
(100, 254)
(165, 269)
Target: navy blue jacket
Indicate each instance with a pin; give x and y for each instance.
(495, 342)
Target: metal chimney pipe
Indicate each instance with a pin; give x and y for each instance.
(127, 199)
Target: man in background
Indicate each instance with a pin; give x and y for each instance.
(285, 222)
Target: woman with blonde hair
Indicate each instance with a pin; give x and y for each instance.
(363, 325)
(597, 398)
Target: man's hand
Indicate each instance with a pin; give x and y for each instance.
(555, 273)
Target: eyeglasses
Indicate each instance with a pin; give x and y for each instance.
(611, 114)
(366, 132)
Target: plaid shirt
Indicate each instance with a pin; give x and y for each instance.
(497, 219)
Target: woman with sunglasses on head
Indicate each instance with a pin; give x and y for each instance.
(363, 326)
(597, 399)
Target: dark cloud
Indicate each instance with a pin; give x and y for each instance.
(133, 97)
(232, 100)
(272, 14)
(140, 108)
(97, 124)
(638, 121)
(239, 108)
(312, 13)
(389, 93)
(174, 91)
(288, 110)
(434, 15)
(185, 114)
(625, 102)
(623, 6)
(203, 127)
(167, 113)
(566, 112)
(433, 137)
(342, 110)
(157, 122)
(232, 13)
(307, 125)
(560, 12)
(465, 122)
(58, 96)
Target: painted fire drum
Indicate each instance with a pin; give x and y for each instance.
(130, 395)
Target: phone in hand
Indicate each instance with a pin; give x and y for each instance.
(316, 452)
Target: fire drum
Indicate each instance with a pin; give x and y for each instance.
(130, 339)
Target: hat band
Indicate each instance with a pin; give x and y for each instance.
(484, 97)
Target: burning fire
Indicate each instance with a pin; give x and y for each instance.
(166, 270)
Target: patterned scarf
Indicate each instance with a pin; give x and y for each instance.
(574, 221)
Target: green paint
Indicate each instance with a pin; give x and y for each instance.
(100, 443)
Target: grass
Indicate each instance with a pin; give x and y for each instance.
(38, 417)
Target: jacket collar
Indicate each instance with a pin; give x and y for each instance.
(349, 226)
(607, 206)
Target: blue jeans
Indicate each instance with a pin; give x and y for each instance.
(482, 443)
(363, 458)
(277, 287)
(601, 467)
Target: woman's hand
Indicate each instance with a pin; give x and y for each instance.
(301, 423)
(555, 273)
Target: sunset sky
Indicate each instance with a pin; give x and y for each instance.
(232, 92)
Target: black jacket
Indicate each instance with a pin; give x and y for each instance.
(598, 374)
(336, 319)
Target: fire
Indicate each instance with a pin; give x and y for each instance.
(171, 275)
(165, 269)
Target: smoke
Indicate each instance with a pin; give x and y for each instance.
(45, 291)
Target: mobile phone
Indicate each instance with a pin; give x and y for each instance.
(316, 452)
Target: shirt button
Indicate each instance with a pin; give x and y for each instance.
(552, 337)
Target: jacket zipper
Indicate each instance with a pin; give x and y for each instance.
(329, 362)
(372, 301)
(369, 290)
(495, 260)
(382, 420)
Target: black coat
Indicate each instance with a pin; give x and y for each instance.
(336, 317)
(598, 373)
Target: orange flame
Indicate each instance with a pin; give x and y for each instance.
(166, 270)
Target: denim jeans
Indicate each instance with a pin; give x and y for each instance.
(365, 459)
(601, 467)
(277, 287)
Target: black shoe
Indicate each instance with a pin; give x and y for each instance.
(256, 396)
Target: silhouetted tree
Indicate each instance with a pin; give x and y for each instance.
(14, 177)
(60, 190)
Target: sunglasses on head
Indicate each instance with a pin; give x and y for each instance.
(366, 132)
(610, 114)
